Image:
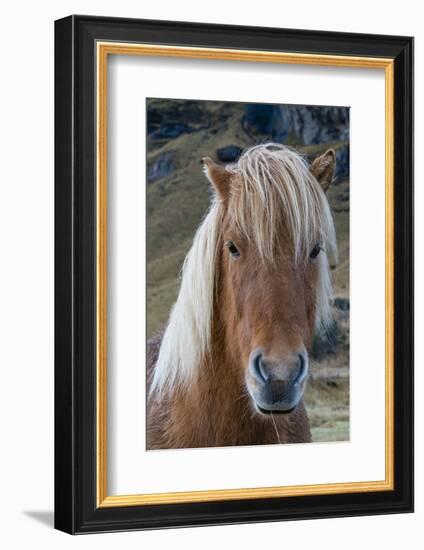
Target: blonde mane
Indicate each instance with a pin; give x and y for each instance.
(272, 188)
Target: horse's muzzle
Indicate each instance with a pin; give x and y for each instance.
(277, 387)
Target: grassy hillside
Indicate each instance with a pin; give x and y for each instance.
(178, 196)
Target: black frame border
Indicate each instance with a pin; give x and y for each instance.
(75, 274)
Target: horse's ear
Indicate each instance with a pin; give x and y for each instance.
(323, 168)
(218, 176)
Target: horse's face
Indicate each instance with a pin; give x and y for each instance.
(270, 318)
(269, 314)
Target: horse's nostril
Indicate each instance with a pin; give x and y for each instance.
(301, 361)
(302, 367)
(259, 368)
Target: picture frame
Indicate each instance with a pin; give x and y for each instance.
(83, 45)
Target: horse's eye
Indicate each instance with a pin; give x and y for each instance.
(233, 250)
(315, 251)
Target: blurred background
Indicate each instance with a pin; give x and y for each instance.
(179, 134)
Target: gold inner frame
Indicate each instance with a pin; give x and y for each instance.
(103, 50)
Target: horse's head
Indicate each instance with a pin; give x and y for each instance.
(273, 279)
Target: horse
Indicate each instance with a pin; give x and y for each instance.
(232, 364)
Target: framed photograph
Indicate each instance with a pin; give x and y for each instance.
(234, 274)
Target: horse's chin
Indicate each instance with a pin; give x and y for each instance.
(283, 406)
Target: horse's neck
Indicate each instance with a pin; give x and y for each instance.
(216, 410)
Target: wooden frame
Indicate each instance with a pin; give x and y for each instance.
(83, 45)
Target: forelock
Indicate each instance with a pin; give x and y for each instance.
(275, 196)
